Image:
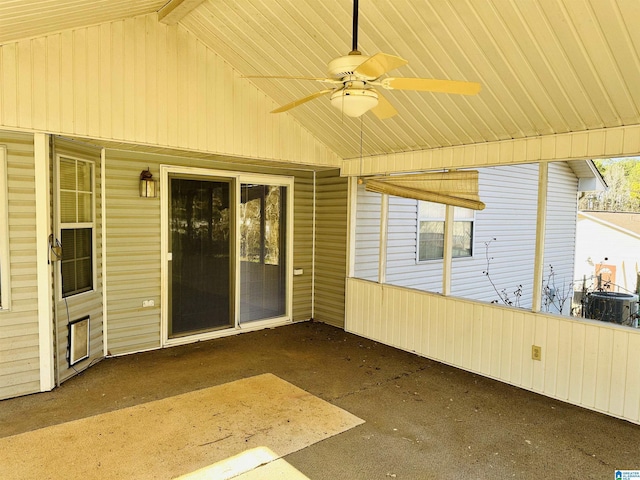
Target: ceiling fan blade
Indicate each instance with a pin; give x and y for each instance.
(431, 85)
(302, 100)
(285, 77)
(384, 109)
(379, 64)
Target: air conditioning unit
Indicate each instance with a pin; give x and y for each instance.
(614, 307)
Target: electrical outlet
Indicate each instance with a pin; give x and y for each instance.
(536, 352)
(148, 303)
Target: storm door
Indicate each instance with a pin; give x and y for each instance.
(200, 243)
(263, 255)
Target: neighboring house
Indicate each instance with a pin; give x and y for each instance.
(608, 245)
(500, 239)
(256, 219)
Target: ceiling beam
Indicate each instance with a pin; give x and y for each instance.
(597, 143)
(176, 10)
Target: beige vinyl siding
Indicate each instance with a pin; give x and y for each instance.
(19, 349)
(140, 81)
(78, 306)
(303, 246)
(331, 248)
(584, 362)
(133, 255)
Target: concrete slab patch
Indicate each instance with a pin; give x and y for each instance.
(177, 435)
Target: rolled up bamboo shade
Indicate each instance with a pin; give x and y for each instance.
(458, 188)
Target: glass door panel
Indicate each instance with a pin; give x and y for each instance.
(200, 242)
(262, 228)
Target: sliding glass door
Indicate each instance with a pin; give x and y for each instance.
(227, 246)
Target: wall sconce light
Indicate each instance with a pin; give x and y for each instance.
(148, 186)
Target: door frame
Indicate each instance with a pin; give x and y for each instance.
(237, 178)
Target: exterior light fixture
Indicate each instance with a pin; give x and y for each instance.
(148, 186)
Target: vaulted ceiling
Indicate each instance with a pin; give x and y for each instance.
(546, 66)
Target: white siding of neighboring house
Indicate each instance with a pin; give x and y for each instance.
(367, 241)
(19, 348)
(510, 194)
(597, 241)
(560, 235)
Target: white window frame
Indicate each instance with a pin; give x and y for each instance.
(5, 271)
(442, 219)
(77, 225)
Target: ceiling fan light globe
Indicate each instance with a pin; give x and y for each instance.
(354, 102)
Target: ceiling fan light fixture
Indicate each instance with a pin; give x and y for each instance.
(354, 102)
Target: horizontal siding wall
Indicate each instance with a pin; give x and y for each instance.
(133, 252)
(140, 81)
(19, 349)
(331, 248)
(303, 246)
(132, 255)
(584, 362)
(602, 143)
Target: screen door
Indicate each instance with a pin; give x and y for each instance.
(200, 246)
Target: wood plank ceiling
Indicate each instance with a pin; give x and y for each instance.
(546, 66)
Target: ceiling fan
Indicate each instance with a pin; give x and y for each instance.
(354, 76)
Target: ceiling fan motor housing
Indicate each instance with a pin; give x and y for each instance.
(345, 66)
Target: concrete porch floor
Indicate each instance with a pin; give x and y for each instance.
(423, 420)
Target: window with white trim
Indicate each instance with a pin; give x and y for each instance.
(431, 218)
(76, 208)
(4, 232)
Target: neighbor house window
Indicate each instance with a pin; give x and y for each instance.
(4, 231)
(431, 231)
(76, 208)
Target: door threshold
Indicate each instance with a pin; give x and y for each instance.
(226, 332)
